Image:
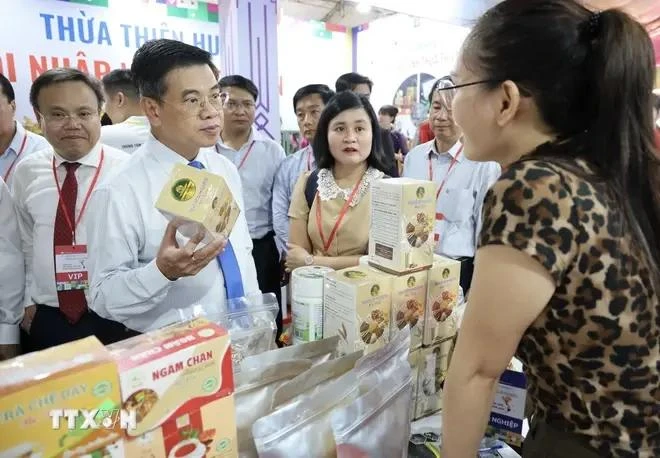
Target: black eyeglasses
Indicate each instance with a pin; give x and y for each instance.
(458, 86)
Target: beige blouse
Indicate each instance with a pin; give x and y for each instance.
(352, 237)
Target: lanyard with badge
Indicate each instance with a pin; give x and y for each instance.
(439, 216)
(246, 155)
(340, 218)
(13, 163)
(70, 260)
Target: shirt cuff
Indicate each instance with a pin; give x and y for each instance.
(9, 334)
(153, 280)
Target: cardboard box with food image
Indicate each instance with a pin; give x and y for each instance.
(356, 307)
(38, 388)
(179, 380)
(200, 201)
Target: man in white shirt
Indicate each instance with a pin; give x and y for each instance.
(308, 104)
(129, 128)
(12, 286)
(462, 183)
(257, 158)
(142, 272)
(16, 143)
(51, 191)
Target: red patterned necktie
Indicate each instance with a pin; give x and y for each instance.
(73, 303)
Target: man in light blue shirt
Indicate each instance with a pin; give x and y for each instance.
(462, 183)
(16, 143)
(308, 103)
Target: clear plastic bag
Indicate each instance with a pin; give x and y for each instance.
(317, 352)
(250, 321)
(376, 424)
(386, 359)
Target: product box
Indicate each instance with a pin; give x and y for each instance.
(80, 376)
(356, 306)
(402, 224)
(201, 200)
(415, 359)
(179, 380)
(433, 367)
(442, 296)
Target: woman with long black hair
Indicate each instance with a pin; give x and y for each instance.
(566, 273)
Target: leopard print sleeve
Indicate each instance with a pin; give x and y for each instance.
(531, 208)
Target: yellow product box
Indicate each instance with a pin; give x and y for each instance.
(415, 358)
(356, 306)
(442, 296)
(179, 381)
(48, 398)
(201, 200)
(401, 237)
(433, 366)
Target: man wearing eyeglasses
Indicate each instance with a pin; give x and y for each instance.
(257, 158)
(51, 191)
(143, 272)
(462, 183)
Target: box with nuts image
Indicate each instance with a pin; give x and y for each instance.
(356, 307)
(201, 200)
(433, 365)
(408, 305)
(401, 238)
(442, 296)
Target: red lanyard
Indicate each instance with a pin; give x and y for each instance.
(309, 160)
(67, 215)
(342, 213)
(11, 166)
(454, 160)
(246, 154)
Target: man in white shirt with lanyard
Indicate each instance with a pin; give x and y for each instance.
(143, 272)
(51, 191)
(308, 104)
(16, 143)
(12, 286)
(257, 158)
(129, 128)
(462, 183)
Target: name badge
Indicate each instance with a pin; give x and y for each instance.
(71, 267)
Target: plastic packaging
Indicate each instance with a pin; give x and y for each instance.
(307, 303)
(317, 352)
(387, 359)
(251, 323)
(254, 394)
(302, 429)
(376, 424)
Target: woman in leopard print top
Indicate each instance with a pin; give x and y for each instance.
(566, 274)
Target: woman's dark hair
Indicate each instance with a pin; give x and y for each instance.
(339, 103)
(591, 76)
(389, 110)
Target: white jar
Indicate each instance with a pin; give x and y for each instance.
(307, 303)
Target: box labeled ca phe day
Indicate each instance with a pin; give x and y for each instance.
(356, 306)
(433, 365)
(441, 299)
(179, 380)
(401, 237)
(201, 200)
(79, 375)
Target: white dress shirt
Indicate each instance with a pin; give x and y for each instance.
(285, 180)
(125, 233)
(257, 175)
(22, 145)
(12, 286)
(462, 197)
(128, 135)
(36, 200)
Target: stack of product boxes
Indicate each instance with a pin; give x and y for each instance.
(400, 284)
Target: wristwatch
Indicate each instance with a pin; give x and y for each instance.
(309, 260)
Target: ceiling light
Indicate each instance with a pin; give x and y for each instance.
(363, 7)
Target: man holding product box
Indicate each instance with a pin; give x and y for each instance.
(143, 272)
(462, 183)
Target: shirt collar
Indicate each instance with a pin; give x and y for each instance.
(167, 156)
(91, 159)
(17, 141)
(137, 120)
(253, 137)
(453, 151)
